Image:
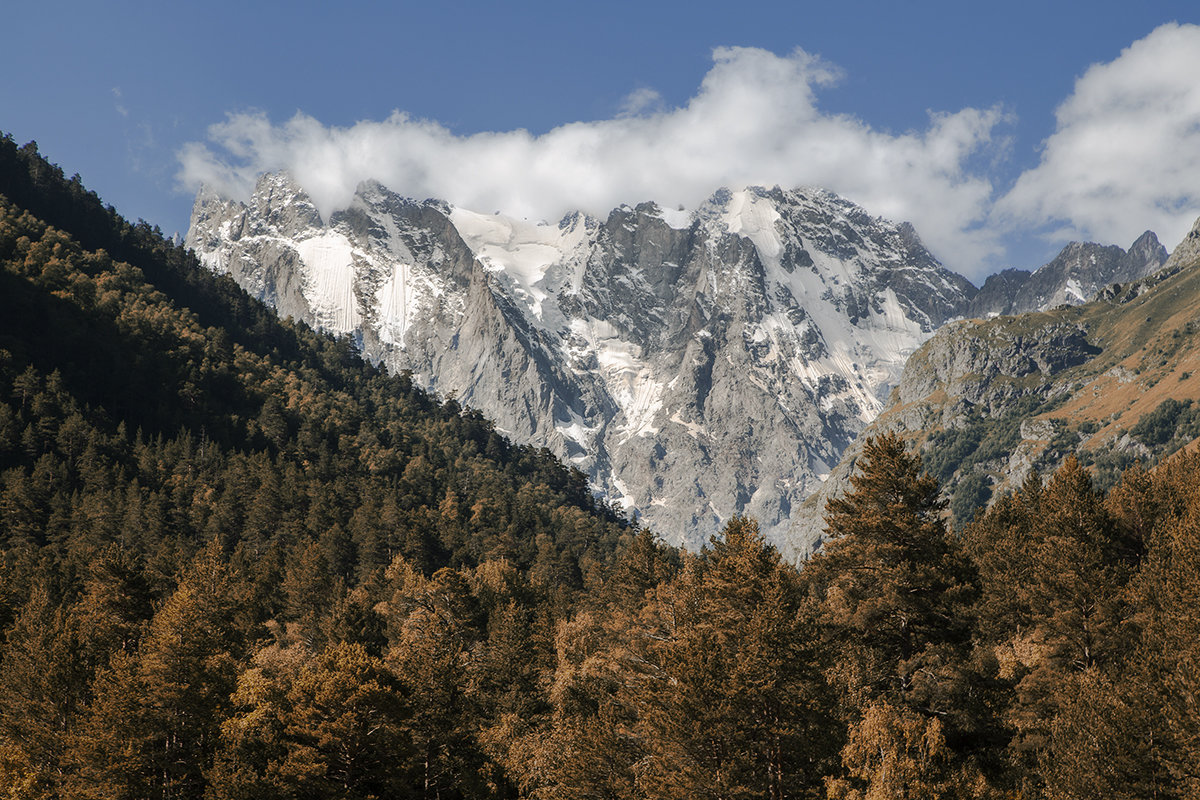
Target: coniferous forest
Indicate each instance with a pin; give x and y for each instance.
(239, 562)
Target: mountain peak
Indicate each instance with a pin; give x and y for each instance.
(695, 365)
(1186, 252)
(1077, 274)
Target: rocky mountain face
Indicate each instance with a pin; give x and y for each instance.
(1115, 380)
(1076, 275)
(694, 365)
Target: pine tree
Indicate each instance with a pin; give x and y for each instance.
(642, 565)
(730, 704)
(115, 606)
(1054, 563)
(334, 726)
(43, 682)
(308, 587)
(1162, 680)
(891, 581)
(434, 629)
(153, 727)
(893, 591)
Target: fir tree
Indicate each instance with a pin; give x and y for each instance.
(153, 727)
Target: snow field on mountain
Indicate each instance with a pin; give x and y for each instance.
(754, 217)
(399, 299)
(523, 250)
(678, 218)
(869, 355)
(329, 281)
(629, 380)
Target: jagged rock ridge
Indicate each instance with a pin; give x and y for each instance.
(693, 365)
(1077, 274)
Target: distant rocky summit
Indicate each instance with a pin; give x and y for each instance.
(989, 402)
(1076, 275)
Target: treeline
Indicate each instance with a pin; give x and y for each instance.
(236, 567)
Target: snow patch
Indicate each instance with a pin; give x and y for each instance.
(629, 380)
(753, 216)
(1074, 291)
(522, 250)
(678, 218)
(328, 284)
(623, 495)
(399, 299)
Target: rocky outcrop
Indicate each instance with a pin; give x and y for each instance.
(1187, 252)
(969, 373)
(987, 402)
(985, 365)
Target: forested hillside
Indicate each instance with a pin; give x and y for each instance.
(173, 459)
(238, 562)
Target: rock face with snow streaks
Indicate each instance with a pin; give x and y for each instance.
(694, 365)
(1077, 274)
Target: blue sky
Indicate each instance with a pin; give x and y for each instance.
(126, 94)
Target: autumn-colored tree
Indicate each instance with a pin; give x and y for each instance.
(1054, 564)
(308, 587)
(1106, 740)
(898, 754)
(729, 698)
(891, 579)
(116, 604)
(434, 627)
(1160, 685)
(894, 592)
(44, 679)
(333, 726)
(153, 727)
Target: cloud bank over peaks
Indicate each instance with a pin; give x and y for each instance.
(1125, 154)
(754, 120)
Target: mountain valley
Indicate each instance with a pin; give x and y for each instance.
(238, 560)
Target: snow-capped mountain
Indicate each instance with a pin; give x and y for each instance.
(695, 365)
(1077, 274)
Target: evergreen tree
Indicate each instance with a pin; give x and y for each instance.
(891, 582)
(894, 592)
(335, 726)
(43, 682)
(434, 629)
(730, 701)
(308, 587)
(1054, 564)
(152, 729)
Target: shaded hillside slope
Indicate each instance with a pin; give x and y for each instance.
(113, 378)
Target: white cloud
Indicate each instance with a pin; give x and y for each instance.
(118, 105)
(754, 120)
(641, 101)
(1125, 155)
